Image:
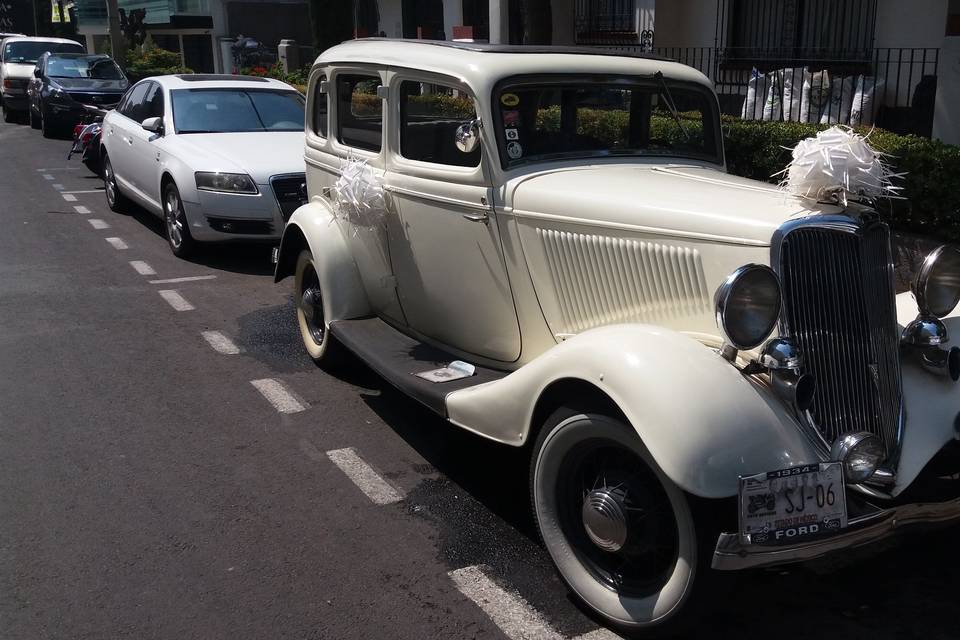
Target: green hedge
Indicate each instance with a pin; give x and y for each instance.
(931, 192)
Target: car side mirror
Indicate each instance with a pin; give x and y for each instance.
(468, 136)
(153, 125)
(36, 72)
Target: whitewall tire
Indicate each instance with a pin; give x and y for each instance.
(322, 347)
(620, 533)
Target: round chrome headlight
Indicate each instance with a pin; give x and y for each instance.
(748, 305)
(937, 287)
(861, 453)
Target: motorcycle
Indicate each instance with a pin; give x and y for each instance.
(86, 139)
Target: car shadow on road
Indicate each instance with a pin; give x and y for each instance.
(248, 258)
(904, 588)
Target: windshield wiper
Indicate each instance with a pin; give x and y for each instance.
(668, 98)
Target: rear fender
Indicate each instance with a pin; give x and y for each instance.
(314, 226)
(703, 421)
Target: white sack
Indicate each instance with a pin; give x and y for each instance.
(749, 111)
(816, 90)
(793, 84)
(772, 107)
(861, 108)
(837, 108)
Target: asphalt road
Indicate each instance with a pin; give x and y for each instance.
(149, 490)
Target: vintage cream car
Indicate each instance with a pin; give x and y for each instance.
(710, 374)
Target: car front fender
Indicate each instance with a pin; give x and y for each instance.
(315, 226)
(703, 421)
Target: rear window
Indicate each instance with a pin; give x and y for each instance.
(29, 51)
(236, 110)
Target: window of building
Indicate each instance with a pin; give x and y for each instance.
(321, 108)
(600, 19)
(793, 29)
(429, 117)
(359, 112)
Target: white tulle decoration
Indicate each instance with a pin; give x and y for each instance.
(358, 194)
(836, 165)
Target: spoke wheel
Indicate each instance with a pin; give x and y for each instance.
(620, 533)
(181, 242)
(312, 320)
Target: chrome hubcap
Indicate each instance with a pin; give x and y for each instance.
(311, 304)
(605, 519)
(174, 223)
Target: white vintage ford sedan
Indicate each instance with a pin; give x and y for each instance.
(543, 246)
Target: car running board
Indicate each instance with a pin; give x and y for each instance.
(397, 357)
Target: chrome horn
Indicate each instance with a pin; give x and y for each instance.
(781, 358)
(923, 338)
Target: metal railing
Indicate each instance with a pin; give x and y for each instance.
(893, 88)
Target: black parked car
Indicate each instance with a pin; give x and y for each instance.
(64, 82)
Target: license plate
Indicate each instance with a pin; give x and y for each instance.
(791, 505)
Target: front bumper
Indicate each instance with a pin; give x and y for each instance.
(731, 554)
(15, 102)
(208, 217)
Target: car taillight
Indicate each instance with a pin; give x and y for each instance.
(7, 83)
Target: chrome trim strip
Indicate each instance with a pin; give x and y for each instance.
(453, 202)
(732, 555)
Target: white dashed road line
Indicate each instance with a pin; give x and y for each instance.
(514, 615)
(117, 243)
(142, 268)
(175, 300)
(69, 197)
(81, 209)
(47, 176)
(186, 279)
(221, 343)
(86, 191)
(599, 634)
(363, 475)
(96, 223)
(59, 169)
(277, 395)
(58, 187)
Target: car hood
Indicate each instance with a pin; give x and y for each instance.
(23, 71)
(690, 201)
(90, 84)
(260, 154)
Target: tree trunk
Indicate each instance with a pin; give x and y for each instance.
(331, 22)
(537, 22)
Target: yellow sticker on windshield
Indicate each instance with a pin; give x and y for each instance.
(509, 100)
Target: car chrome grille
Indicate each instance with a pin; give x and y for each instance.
(840, 310)
(290, 191)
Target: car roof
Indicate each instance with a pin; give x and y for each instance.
(35, 39)
(219, 81)
(481, 66)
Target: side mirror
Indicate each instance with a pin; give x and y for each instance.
(153, 125)
(36, 72)
(467, 137)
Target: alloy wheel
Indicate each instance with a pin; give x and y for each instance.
(173, 215)
(109, 184)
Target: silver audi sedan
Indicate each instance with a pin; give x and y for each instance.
(218, 157)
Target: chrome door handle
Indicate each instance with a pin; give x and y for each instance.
(477, 218)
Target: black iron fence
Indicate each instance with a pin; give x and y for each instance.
(892, 88)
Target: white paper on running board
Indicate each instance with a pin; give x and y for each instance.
(453, 371)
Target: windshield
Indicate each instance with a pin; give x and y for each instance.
(29, 51)
(236, 110)
(96, 67)
(558, 118)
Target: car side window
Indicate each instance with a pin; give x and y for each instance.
(320, 108)
(359, 112)
(429, 117)
(134, 106)
(153, 102)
